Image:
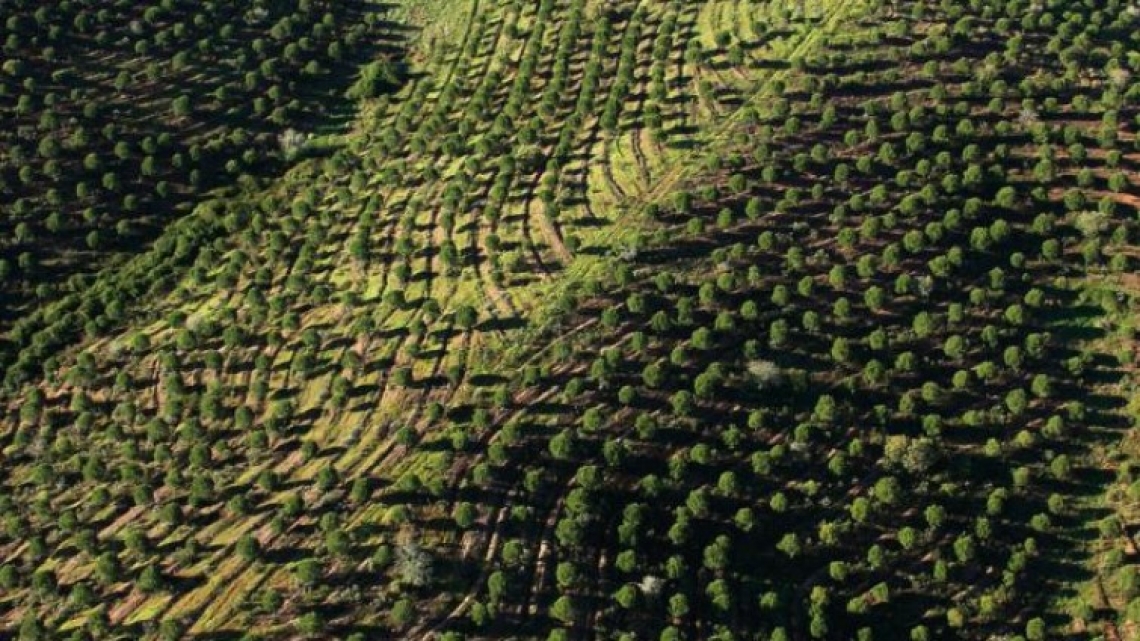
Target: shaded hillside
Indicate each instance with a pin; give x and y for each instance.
(120, 117)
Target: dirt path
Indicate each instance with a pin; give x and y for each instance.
(550, 232)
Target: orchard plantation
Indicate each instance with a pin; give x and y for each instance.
(749, 320)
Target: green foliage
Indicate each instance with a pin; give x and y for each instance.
(844, 339)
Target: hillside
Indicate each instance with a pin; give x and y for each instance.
(569, 319)
(120, 116)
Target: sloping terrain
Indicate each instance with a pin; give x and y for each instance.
(120, 116)
(660, 320)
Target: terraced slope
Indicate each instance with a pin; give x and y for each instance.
(628, 320)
